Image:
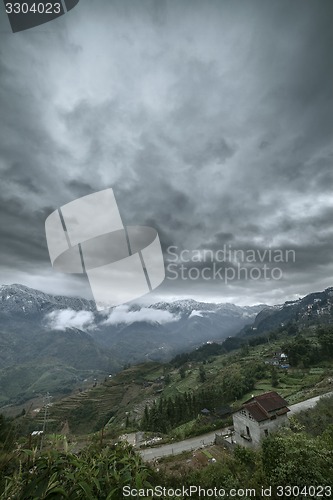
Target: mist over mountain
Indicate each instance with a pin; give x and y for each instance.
(60, 341)
(56, 343)
(132, 332)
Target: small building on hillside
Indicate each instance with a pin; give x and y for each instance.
(205, 412)
(223, 411)
(258, 417)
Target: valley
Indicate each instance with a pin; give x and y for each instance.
(172, 410)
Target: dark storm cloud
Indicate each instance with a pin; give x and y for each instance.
(212, 121)
(22, 235)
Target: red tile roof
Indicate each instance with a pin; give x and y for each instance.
(256, 411)
(270, 401)
(263, 406)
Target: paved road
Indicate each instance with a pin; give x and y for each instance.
(208, 439)
(186, 445)
(308, 403)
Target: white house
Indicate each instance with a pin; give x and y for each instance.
(258, 417)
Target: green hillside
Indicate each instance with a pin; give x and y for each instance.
(210, 376)
(78, 462)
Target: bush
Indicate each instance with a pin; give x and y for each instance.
(94, 474)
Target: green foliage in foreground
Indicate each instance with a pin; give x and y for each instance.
(300, 456)
(285, 459)
(291, 457)
(319, 419)
(100, 474)
(93, 475)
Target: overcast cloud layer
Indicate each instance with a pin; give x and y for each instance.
(211, 120)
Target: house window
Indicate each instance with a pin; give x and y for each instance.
(266, 432)
(248, 431)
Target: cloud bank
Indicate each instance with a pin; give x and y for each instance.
(211, 120)
(122, 314)
(68, 318)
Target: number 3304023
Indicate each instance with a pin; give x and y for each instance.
(35, 8)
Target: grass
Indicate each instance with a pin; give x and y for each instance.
(180, 386)
(198, 426)
(292, 386)
(317, 371)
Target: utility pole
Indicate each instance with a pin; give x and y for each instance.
(47, 400)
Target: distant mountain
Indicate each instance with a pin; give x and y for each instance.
(55, 343)
(312, 309)
(24, 301)
(190, 305)
(34, 358)
(191, 323)
(67, 336)
(132, 333)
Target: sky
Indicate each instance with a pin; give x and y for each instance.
(212, 121)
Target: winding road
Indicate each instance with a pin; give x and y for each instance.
(208, 439)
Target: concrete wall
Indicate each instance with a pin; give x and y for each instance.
(222, 441)
(256, 429)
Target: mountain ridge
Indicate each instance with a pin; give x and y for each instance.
(69, 334)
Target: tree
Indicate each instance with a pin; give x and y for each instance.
(182, 372)
(316, 420)
(301, 352)
(274, 377)
(202, 374)
(145, 419)
(292, 330)
(325, 339)
(245, 350)
(296, 459)
(7, 433)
